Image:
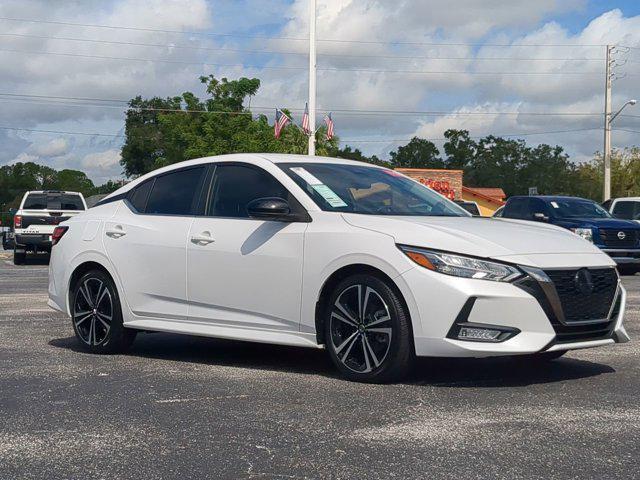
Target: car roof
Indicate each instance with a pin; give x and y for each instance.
(51, 191)
(251, 158)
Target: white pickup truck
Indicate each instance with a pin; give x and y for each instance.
(39, 214)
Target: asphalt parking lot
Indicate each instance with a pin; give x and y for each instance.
(180, 407)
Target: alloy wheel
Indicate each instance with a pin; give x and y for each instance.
(360, 328)
(93, 311)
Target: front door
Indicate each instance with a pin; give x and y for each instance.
(244, 272)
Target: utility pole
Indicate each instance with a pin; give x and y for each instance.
(607, 125)
(312, 77)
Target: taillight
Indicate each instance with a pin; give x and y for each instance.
(58, 232)
(17, 221)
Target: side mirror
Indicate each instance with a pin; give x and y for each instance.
(272, 208)
(540, 217)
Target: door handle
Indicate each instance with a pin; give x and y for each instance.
(204, 238)
(116, 232)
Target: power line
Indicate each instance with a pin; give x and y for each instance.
(476, 137)
(282, 67)
(62, 132)
(303, 54)
(28, 97)
(329, 40)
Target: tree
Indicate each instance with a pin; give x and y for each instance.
(349, 154)
(75, 181)
(418, 153)
(460, 149)
(162, 132)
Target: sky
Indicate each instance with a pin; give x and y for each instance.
(389, 70)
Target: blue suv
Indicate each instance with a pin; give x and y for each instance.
(619, 238)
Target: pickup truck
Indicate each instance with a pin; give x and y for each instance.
(39, 213)
(617, 237)
(626, 208)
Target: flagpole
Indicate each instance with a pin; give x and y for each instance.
(312, 76)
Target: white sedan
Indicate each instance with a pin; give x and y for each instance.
(327, 253)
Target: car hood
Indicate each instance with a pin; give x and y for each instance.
(612, 223)
(477, 236)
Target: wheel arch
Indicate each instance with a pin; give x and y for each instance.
(340, 274)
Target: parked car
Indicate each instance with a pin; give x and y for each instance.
(313, 252)
(499, 212)
(625, 208)
(37, 217)
(471, 207)
(7, 237)
(619, 238)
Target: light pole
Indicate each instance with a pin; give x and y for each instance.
(312, 77)
(608, 119)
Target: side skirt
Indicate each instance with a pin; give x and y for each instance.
(296, 339)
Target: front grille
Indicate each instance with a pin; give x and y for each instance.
(610, 238)
(579, 306)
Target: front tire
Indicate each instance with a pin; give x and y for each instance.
(96, 315)
(367, 330)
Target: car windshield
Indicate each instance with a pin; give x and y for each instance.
(53, 201)
(368, 190)
(577, 208)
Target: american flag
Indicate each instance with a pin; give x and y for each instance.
(281, 121)
(305, 120)
(330, 126)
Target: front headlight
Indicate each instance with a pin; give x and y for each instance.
(585, 233)
(460, 266)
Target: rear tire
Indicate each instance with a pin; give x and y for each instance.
(367, 330)
(96, 316)
(19, 256)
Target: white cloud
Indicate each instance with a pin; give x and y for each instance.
(102, 160)
(515, 23)
(54, 148)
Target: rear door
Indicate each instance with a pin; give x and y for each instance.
(146, 242)
(244, 272)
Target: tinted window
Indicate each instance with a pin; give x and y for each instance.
(538, 206)
(470, 207)
(174, 193)
(517, 208)
(138, 197)
(368, 190)
(236, 185)
(53, 201)
(577, 208)
(626, 210)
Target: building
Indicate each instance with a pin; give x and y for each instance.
(488, 199)
(449, 184)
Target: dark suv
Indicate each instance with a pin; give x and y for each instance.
(619, 238)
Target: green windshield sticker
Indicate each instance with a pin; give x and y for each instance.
(329, 195)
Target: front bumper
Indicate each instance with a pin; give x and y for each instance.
(499, 304)
(624, 257)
